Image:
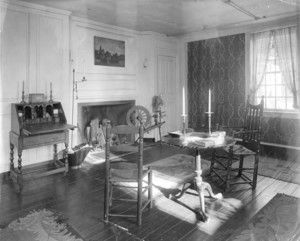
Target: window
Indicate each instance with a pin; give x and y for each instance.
(274, 69)
(277, 95)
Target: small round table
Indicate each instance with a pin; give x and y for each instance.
(198, 141)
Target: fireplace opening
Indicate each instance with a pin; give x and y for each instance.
(92, 120)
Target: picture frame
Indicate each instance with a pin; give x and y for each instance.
(109, 52)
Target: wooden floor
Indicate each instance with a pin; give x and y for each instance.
(79, 196)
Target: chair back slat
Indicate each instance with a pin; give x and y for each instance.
(125, 130)
(253, 121)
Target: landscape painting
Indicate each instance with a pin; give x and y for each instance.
(109, 52)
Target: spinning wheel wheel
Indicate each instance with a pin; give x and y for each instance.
(138, 114)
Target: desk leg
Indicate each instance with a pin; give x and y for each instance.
(66, 158)
(19, 173)
(55, 158)
(12, 166)
(202, 186)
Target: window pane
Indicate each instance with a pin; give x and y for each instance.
(280, 103)
(288, 92)
(270, 103)
(280, 90)
(278, 78)
(289, 104)
(270, 80)
(271, 91)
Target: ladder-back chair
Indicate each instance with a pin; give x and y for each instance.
(247, 144)
(124, 175)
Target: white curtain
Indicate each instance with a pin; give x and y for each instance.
(286, 49)
(260, 52)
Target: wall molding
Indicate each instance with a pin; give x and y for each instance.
(14, 4)
(260, 25)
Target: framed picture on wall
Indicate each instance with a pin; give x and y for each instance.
(109, 52)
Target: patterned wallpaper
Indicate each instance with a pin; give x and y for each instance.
(219, 64)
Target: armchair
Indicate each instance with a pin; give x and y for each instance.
(248, 144)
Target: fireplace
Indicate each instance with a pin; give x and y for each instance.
(92, 112)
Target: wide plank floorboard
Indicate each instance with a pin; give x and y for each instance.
(79, 197)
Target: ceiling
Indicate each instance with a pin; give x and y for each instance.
(175, 17)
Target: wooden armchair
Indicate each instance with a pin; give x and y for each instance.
(248, 144)
(124, 175)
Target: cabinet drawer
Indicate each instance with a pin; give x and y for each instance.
(44, 140)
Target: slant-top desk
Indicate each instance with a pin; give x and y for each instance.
(35, 125)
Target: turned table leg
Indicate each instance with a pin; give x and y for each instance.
(202, 186)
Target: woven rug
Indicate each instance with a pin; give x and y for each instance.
(278, 220)
(39, 226)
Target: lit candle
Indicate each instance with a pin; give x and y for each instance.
(183, 101)
(209, 101)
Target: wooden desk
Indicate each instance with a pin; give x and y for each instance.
(35, 125)
(183, 141)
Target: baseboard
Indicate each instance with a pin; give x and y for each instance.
(28, 169)
(279, 151)
(280, 145)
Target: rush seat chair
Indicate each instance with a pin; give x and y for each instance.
(124, 176)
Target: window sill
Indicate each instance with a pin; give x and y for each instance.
(282, 114)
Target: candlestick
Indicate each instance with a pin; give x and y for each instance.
(183, 101)
(50, 100)
(183, 124)
(209, 101)
(209, 114)
(23, 94)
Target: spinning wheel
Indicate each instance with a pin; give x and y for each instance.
(138, 114)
